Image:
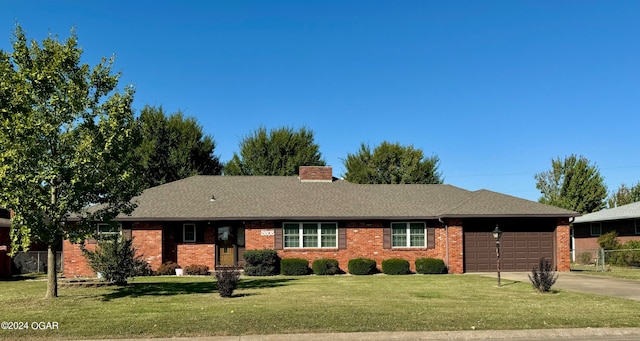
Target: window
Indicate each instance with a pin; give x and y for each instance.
(596, 229)
(408, 235)
(310, 235)
(189, 233)
(637, 226)
(105, 230)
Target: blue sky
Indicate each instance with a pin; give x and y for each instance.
(496, 89)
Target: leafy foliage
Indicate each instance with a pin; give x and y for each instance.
(261, 262)
(395, 266)
(227, 281)
(65, 139)
(624, 196)
(325, 266)
(168, 268)
(196, 270)
(543, 277)
(391, 163)
(294, 267)
(573, 184)
(114, 257)
(279, 152)
(173, 148)
(362, 266)
(430, 266)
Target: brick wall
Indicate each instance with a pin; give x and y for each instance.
(563, 245)
(74, 262)
(147, 239)
(456, 246)
(5, 248)
(364, 239)
(198, 254)
(315, 173)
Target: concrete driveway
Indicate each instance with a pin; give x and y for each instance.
(608, 286)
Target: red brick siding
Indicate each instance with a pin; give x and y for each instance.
(563, 245)
(315, 173)
(456, 246)
(5, 248)
(74, 262)
(364, 239)
(147, 240)
(198, 254)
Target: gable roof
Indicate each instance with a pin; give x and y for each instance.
(286, 197)
(628, 211)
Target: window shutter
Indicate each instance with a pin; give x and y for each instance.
(342, 238)
(431, 238)
(277, 243)
(386, 236)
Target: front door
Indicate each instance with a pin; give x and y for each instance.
(226, 246)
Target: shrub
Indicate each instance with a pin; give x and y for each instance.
(631, 254)
(395, 266)
(543, 277)
(261, 263)
(585, 258)
(114, 257)
(227, 281)
(325, 266)
(196, 269)
(168, 268)
(294, 267)
(430, 266)
(362, 266)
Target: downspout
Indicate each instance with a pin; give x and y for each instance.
(573, 240)
(446, 231)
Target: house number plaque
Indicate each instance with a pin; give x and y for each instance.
(267, 232)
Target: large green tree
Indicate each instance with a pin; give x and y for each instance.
(391, 163)
(277, 152)
(624, 196)
(572, 183)
(65, 139)
(174, 147)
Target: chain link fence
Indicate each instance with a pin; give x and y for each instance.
(602, 258)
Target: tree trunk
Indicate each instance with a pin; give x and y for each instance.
(52, 274)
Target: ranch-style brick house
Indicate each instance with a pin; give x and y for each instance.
(625, 220)
(211, 220)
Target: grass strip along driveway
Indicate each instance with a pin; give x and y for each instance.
(191, 306)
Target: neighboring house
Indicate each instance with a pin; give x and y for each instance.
(625, 220)
(5, 243)
(211, 220)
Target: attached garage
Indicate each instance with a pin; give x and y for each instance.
(523, 243)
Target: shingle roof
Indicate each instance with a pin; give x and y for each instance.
(629, 211)
(274, 197)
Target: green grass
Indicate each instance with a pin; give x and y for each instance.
(611, 271)
(190, 306)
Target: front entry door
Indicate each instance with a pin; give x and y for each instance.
(226, 246)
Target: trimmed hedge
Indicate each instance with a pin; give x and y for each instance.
(261, 263)
(325, 266)
(294, 267)
(395, 266)
(430, 266)
(196, 269)
(362, 266)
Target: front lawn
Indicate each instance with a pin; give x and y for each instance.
(191, 306)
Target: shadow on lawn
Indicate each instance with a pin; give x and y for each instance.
(182, 288)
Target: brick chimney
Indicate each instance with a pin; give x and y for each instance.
(315, 174)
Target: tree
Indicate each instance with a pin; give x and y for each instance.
(64, 142)
(174, 148)
(280, 152)
(391, 163)
(573, 184)
(624, 196)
